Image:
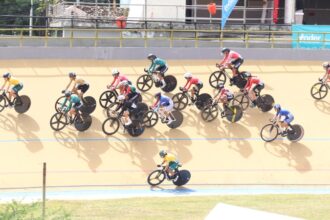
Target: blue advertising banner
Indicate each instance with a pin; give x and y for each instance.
(227, 7)
(311, 36)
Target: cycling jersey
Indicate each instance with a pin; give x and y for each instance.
(169, 158)
(163, 101)
(252, 81)
(118, 79)
(192, 81)
(156, 63)
(227, 93)
(13, 81)
(79, 82)
(75, 100)
(231, 56)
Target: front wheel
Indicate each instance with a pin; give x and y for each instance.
(156, 177)
(2, 103)
(150, 119)
(265, 102)
(319, 91)
(144, 82)
(89, 105)
(58, 121)
(107, 97)
(217, 77)
(241, 100)
(180, 101)
(210, 113)
(110, 126)
(233, 113)
(269, 132)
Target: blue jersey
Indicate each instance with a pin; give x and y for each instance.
(283, 112)
(156, 63)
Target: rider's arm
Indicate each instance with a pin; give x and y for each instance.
(156, 104)
(152, 67)
(69, 106)
(248, 85)
(69, 84)
(113, 81)
(3, 86)
(188, 84)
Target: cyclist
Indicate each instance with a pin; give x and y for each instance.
(326, 77)
(283, 118)
(16, 86)
(129, 90)
(124, 107)
(160, 66)
(197, 85)
(225, 96)
(166, 104)
(171, 163)
(253, 86)
(75, 104)
(117, 78)
(232, 60)
(80, 86)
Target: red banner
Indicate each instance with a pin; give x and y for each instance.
(275, 11)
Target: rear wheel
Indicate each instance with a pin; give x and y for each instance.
(177, 118)
(319, 91)
(269, 132)
(156, 177)
(296, 134)
(171, 83)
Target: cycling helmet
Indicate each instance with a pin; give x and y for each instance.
(120, 97)
(187, 75)
(115, 72)
(220, 85)
(67, 93)
(325, 65)
(225, 49)
(72, 75)
(6, 75)
(246, 74)
(162, 153)
(277, 107)
(123, 83)
(151, 56)
(157, 95)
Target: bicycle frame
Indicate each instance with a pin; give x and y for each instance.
(162, 116)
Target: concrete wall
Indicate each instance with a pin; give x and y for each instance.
(166, 53)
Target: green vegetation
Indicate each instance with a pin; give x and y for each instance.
(304, 206)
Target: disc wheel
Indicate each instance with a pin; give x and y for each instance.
(58, 121)
(144, 82)
(296, 134)
(22, 104)
(234, 113)
(269, 132)
(110, 126)
(180, 101)
(241, 100)
(217, 77)
(171, 83)
(319, 91)
(156, 177)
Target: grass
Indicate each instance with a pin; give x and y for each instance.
(304, 206)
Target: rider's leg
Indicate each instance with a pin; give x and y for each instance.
(161, 79)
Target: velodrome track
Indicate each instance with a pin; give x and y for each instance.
(215, 153)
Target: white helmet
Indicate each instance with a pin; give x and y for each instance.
(187, 75)
(325, 65)
(115, 72)
(120, 97)
(123, 83)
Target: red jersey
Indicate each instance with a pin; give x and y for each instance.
(328, 70)
(118, 79)
(252, 81)
(192, 81)
(232, 55)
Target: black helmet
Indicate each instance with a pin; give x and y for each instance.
(158, 94)
(162, 153)
(225, 49)
(220, 85)
(246, 74)
(72, 75)
(67, 93)
(151, 56)
(6, 75)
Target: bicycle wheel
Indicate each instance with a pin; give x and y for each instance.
(156, 177)
(106, 98)
(183, 178)
(22, 104)
(265, 102)
(3, 103)
(58, 121)
(319, 90)
(296, 134)
(202, 100)
(110, 126)
(177, 119)
(89, 105)
(210, 113)
(144, 82)
(150, 119)
(59, 102)
(112, 107)
(83, 122)
(180, 101)
(171, 83)
(136, 128)
(269, 132)
(234, 113)
(241, 100)
(217, 77)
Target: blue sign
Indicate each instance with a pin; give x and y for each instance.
(311, 36)
(227, 7)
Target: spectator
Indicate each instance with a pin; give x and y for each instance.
(267, 11)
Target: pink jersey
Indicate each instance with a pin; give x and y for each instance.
(118, 79)
(192, 81)
(328, 70)
(252, 81)
(232, 55)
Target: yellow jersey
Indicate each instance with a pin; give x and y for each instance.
(169, 158)
(13, 81)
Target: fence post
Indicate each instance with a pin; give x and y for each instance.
(196, 39)
(21, 39)
(71, 38)
(44, 172)
(171, 38)
(145, 38)
(96, 37)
